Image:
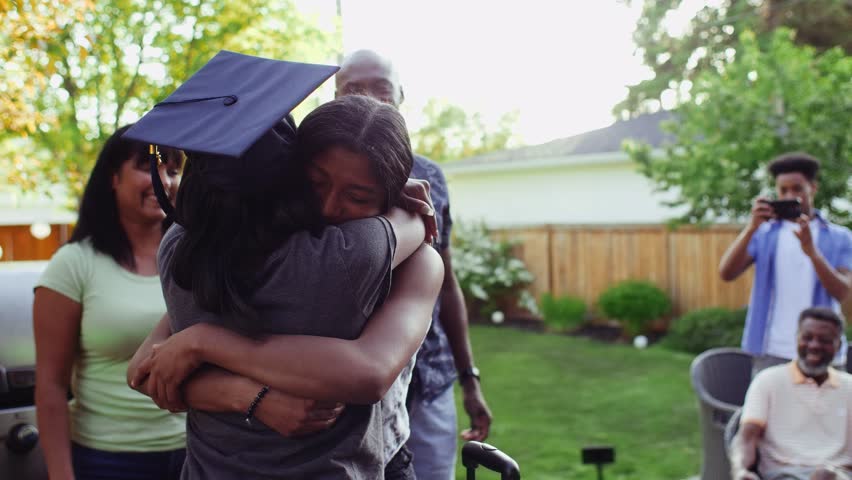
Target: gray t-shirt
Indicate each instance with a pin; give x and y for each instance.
(326, 285)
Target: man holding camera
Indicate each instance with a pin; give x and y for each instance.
(801, 260)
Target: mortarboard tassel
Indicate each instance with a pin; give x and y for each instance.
(159, 190)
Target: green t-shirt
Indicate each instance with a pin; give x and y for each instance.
(120, 309)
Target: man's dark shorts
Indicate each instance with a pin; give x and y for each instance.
(400, 466)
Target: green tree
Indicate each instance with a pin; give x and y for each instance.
(712, 38)
(771, 99)
(450, 133)
(81, 69)
(33, 25)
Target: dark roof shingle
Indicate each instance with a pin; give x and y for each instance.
(645, 128)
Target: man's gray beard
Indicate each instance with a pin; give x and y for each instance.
(810, 371)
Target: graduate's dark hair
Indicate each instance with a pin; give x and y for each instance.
(98, 218)
(229, 234)
(365, 126)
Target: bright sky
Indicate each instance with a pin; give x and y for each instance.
(562, 64)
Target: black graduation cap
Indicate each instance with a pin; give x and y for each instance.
(230, 115)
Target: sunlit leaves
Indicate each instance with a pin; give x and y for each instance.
(450, 133)
(710, 40)
(775, 97)
(75, 70)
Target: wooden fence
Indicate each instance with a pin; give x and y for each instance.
(566, 260)
(584, 260)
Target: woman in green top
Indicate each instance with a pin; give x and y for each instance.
(96, 302)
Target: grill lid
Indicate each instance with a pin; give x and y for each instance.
(17, 348)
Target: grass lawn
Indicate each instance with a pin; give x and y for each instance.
(553, 394)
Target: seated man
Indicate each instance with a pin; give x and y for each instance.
(799, 415)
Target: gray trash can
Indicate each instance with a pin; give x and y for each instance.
(720, 378)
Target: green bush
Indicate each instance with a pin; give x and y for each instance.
(634, 303)
(706, 328)
(487, 270)
(562, 313)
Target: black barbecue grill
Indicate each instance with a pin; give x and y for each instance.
(20, 455)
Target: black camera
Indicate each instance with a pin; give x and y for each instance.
(787, 209)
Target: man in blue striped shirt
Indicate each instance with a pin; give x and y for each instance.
(799, 263)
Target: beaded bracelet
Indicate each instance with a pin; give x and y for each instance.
(253, 406)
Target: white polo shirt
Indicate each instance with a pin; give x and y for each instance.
(805, 424)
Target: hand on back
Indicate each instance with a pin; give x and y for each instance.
(415, 198)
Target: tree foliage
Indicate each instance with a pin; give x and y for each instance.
(771, 99)
(488, 270)
(78, 69)
(25, 27)
(450, 133)
(712, 38)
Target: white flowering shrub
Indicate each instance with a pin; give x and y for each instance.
(487, 270)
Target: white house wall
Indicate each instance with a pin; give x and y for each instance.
(608, 193)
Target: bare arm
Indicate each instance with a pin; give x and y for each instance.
(453, 315)
(736, 259)
(213, 389)
(410, 232)
(453, 318)
(372, 362)
(837, 282)
(56, 326)
(321, 368)
(744, 450)
(161, 332)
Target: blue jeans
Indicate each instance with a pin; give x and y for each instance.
(91, 464)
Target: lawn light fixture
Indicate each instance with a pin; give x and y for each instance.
(598, 455)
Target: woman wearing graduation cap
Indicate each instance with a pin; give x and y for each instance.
(240, 258)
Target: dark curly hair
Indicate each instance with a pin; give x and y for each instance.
(824, 314)
(799, 162)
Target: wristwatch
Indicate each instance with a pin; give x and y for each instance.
(471, 371)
